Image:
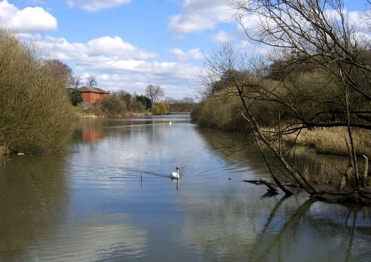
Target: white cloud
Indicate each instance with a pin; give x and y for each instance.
(115, 46)
(196, 53)
(29, 19)
(96, 5)
(200, 15)
(118, 65)
(223, 37)
(182, 57)
(105, 48)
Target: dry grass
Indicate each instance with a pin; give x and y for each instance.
(334, 140)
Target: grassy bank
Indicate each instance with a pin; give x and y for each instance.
(333, 140)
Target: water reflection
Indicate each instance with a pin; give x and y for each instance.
(100, 237)
(112, 199)
(34, 195)
(272, 229)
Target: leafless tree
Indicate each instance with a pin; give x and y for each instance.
(76, 82)
(154, 92)
(91, 81)
(305, 35)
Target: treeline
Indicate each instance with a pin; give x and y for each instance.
(35, 113)
(304, 96)
(121, 103)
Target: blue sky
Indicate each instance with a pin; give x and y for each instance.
(129, 44)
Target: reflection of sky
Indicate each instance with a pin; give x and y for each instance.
(114, 215)
(99, 238)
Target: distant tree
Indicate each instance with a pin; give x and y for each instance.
(57, 67)
(113, 105)
(75, 96)
(170, 100)
(125, 96)
(184, 105)
(160, 108)
(76, 82)
(146, 101)
(91, 81)
(154, 92)
(187, 100)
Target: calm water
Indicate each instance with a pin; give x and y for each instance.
(111, 199)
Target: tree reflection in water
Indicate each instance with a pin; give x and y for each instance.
(295, 229)
(33, 200)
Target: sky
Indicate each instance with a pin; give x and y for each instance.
(129, 44)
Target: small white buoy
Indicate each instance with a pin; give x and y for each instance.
(170, 123)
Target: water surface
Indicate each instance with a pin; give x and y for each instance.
(111, 199)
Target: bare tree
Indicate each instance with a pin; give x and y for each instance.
(154, 92)
(76, 82)
(306, 36)
(91, 81)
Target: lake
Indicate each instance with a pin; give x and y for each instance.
(110, 198)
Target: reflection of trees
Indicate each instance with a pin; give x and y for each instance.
(234, 149)
(266, 245)
(33, 197)
(319, 168)
(286, 243)
(273, 229)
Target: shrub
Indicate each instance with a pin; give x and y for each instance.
(221, 111)
(160, 108)
(75, 96)
(36, 111)
(113, 105)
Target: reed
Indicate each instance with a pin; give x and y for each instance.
(333, 140)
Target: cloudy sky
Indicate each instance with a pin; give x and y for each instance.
(129, 44)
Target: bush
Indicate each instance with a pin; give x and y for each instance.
(113, 105)
(160, 108)
(75, 96)
(35, 110)
(221, 111)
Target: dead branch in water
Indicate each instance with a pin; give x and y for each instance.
(271, 186)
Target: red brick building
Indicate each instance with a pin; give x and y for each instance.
(92, 94)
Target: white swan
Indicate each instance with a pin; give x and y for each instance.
(175, 175)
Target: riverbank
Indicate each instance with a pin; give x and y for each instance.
(91, 114)
(333, 140)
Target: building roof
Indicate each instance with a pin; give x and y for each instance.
(89, 89)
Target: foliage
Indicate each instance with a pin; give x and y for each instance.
(118, 103)
(184, 105)
(75, 96)
(221, 111)
(113, 105)
(160, 108)
(61, 70)
(146, 101)
(36, 112)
